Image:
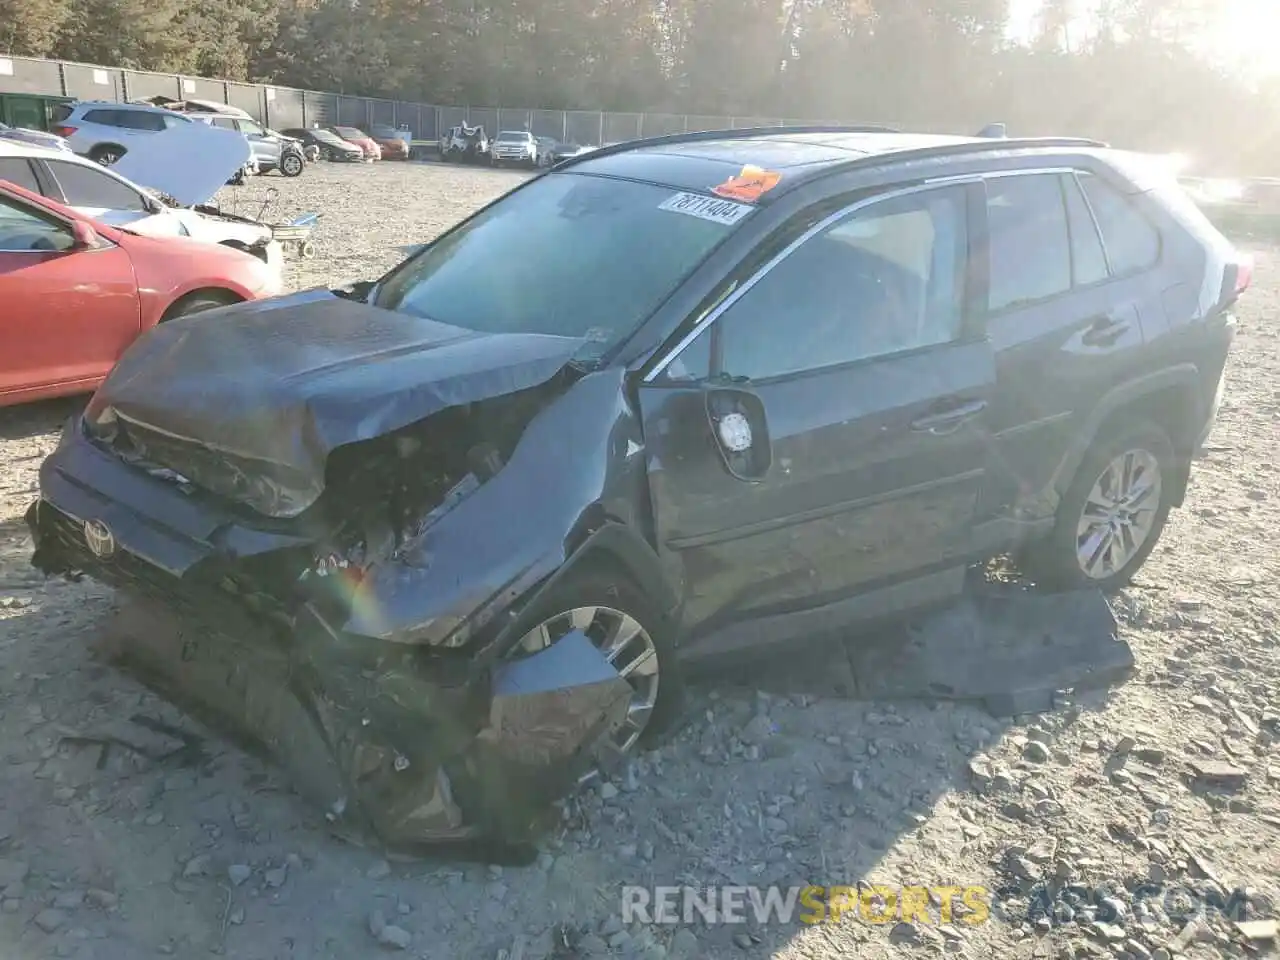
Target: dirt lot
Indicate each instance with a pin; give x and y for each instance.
(117, 855)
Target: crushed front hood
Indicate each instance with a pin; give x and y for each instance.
(269, 389)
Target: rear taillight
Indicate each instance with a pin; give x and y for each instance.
(1244, 275)
(1236, 280)
(63, 132)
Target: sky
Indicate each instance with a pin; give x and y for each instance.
(1246, 36)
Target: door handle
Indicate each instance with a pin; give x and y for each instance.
(949, 420)
(1103, 332)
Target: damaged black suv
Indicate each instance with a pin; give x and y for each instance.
(443, 541)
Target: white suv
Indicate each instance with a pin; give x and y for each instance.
(104, 131)
(515, 146)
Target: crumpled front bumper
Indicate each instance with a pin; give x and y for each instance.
(397, 743)
(389, 752)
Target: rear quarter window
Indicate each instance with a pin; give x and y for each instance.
(1131, 240)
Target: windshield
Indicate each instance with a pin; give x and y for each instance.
(349, 132)
(568, 254)
(509, 136)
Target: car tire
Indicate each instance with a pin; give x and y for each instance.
(198, 303)
(291, 165)
(106, 154)
(609, 589)
(1142, 449)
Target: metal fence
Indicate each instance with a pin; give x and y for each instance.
(285, 107)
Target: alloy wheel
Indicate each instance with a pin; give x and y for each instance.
(626, 645)
(1119, 514)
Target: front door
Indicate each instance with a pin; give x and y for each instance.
(68, 312)
(822, 443)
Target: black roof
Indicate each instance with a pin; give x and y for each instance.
(694, 160)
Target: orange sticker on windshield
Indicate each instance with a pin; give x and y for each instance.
(748, 186)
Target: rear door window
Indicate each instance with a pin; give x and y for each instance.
(108, 118)
(1030, 247)
(1088, 262)
(84, 186)
(18, 170)
(1132, 242)
(142, 120)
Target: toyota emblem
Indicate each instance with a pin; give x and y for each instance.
(100, 539)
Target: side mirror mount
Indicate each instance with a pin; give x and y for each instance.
(84, 236)
(740, 432)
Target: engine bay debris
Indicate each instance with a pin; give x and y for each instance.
(394, 752)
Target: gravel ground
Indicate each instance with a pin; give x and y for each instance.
(121, 855)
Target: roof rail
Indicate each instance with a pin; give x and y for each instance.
(980, 145)
(739, 133)
(964, 147)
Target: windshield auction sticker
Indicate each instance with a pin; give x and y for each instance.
(705, 208)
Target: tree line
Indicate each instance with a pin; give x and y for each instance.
(1129, 73)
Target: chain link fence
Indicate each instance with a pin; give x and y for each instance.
(284, 107)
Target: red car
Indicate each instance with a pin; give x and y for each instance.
(76, 293)
(391, 148)
(361, 139)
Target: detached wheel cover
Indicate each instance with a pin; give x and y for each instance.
(625, 643)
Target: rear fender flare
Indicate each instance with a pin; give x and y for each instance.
(1183, 377)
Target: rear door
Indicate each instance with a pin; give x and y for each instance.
(1065, 326)
(822, 442)
(68, 313)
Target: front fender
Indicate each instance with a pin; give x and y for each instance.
(578, 465)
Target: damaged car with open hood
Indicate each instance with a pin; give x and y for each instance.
(445, 541)
(166, 190)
